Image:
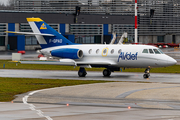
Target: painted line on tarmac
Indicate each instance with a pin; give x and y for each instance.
(32, 107)
(124, 95)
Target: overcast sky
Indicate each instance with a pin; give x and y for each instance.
(3, 1)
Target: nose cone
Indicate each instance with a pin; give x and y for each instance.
(171, 61)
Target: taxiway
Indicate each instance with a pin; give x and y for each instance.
(132, 97)
(116, 76)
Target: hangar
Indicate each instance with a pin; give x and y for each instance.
(92, 21)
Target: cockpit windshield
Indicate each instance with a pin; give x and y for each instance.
(152, 51)
(156, 51)
(145, 51)
(160, 51)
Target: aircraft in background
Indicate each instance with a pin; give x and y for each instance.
(110, 56)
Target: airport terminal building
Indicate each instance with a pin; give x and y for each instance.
(92, 21)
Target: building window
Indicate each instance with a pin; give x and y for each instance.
(160, 39)
(31, 40)
(86, 29)
(87, 39)
(3, 27)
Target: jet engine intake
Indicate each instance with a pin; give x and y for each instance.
(70, 53)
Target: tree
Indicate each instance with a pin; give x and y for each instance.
(8, 6)
(10, 3)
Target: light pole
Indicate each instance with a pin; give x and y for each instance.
(136, 24)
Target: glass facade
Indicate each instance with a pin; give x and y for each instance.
(31, 40)
(88, 39)
(86, 29)
(87, 33)
(121, 28)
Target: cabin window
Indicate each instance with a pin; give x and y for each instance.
(160, 51)
(151, 51)
(112, 51)
(156, 51)
(145, 51)
(119, 51)
(90, 51)
(105, 50)
(97, 51)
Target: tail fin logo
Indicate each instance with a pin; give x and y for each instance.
(43, 26)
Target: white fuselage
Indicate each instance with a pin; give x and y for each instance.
(119, 55)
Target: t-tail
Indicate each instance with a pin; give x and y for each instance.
(46, 35)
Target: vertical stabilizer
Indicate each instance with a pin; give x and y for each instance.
(39, 26)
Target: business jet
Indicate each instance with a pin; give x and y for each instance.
(112, 56)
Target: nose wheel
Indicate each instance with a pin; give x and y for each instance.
(82, 72)
(106, 72)
(146, 73)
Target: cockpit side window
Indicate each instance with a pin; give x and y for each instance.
(160, 51)
(151, 51)
(156, 51)
(145, 51)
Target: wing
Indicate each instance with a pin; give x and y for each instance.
(69, 62)
(110, 63)
(28, 33)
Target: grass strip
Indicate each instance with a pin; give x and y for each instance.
(9, 87)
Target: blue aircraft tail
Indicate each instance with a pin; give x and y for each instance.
(46, 35)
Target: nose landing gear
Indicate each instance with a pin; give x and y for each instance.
(147, 73)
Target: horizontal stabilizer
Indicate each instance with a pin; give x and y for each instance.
(28, 33)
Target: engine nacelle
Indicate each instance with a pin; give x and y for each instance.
(70, 53)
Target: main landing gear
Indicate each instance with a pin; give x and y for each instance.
(147, 73)
(106, 72)
(82, 72)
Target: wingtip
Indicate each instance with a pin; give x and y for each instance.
(9, 31)
(15, 61)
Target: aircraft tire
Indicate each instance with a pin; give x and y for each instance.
(106, 73)
(82, 74)
(146, 76)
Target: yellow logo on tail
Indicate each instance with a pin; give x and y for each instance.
(43, 26)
